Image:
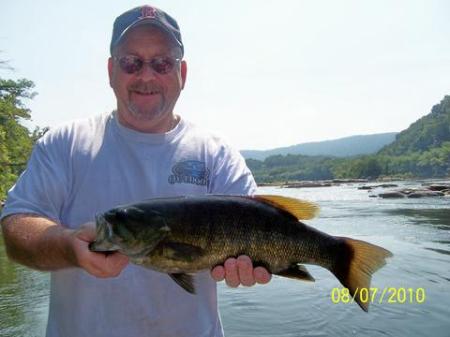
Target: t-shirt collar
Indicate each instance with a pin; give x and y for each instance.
(144, 137)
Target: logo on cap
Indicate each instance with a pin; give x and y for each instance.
(148, 12)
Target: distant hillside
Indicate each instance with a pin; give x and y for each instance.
(342, 147)
(428, 132)
(421, 151)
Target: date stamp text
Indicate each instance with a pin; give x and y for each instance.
(389, 295)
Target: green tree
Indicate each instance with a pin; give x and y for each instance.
(16, 141)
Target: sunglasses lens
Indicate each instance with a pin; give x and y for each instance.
(162, 65)
(130, 64)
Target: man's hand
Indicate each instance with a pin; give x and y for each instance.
(41, 243)
(101, 265)
(240, 271)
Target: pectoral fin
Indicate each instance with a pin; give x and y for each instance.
(185, 281)
(181, 251)
(298, 272)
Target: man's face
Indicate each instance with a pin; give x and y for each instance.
(146, 98)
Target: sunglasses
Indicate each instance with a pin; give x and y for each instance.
(132, 64)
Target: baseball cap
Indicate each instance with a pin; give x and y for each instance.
(141, 15)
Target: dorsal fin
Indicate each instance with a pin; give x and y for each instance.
(301, 209)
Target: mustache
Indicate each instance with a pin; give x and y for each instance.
(145, 86)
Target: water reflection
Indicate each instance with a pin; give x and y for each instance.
(437, 250)
(24, 298)
(437, 217)
(442, 241)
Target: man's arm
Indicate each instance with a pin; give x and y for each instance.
(40, 243)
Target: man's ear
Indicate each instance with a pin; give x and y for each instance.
(183, 73)
(110, 70)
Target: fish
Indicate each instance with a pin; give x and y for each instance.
(184, 235)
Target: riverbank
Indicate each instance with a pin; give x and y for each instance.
(382, 182)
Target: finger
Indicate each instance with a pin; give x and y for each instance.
(115, 263)
(105, 265)
(231, 273)
(245, 270)
(262, 276)
(218, 273)
(99, 264)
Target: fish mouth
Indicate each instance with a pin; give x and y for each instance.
(104, 234)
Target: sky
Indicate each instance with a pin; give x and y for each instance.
(261, 74)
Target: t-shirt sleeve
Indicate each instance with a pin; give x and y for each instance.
(43, 187)
(231, 174)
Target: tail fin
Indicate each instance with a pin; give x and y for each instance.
(355, 267)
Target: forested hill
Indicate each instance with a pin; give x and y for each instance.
(430, 131)
(422, 150)
(342, 147)
(16, 141)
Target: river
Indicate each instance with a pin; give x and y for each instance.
(416, 280)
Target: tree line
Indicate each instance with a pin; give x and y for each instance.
(431, 163)
(421, 151)
(16, 141)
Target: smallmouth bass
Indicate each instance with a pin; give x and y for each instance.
(184, 235)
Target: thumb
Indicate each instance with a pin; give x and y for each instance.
(86, 232)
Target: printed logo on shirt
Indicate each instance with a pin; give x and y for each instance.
(190, 172)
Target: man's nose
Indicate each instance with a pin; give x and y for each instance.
(146, 72)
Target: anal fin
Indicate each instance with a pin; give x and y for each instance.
(298, 272)
(185, 281)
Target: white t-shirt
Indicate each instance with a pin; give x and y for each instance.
(92, 165)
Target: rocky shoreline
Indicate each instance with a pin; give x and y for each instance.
(385, 190)
(433, 190)
(313, 183)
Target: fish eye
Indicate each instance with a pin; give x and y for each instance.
(132, 213)
(121, 215)
(113, 216)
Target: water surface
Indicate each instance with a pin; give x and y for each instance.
(417, 231)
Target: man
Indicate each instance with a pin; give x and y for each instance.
(141, 150)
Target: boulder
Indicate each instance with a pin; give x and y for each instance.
(301, 184)
(369, 187)
(425, 194)
(436, 187)
(349, 181)
(365, 187)
(392, 195)
(387, 185)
